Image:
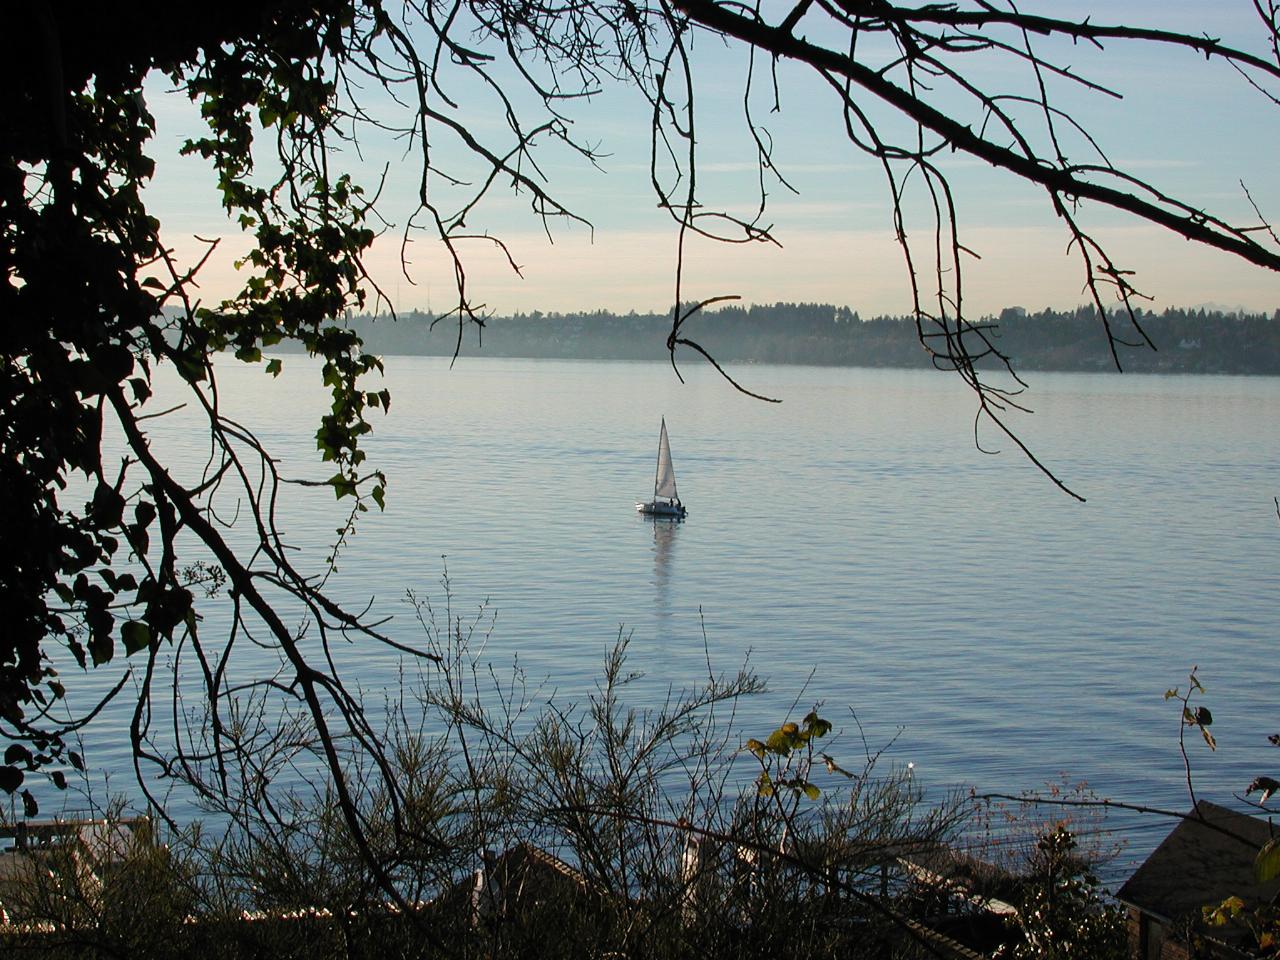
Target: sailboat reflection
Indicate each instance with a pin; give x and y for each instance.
(664, 537)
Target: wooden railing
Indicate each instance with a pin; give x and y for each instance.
(40, 834)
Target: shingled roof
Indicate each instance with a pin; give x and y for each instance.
(1205, 859)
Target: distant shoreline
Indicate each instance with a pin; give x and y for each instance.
(1186, 341)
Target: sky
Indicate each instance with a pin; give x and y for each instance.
(1194, 129)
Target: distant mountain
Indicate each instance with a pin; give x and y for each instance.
(1185, 340)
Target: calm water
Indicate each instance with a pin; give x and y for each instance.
(851, 541)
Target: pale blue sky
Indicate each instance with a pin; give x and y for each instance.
(1193, 128)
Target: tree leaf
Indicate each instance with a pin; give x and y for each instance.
(816, 726)
(10, 779)
(779, 742)
(1266, 865)
(17, 753)
(108, 506)
(101, 648)
(342, 486)
(1222, 914)
(136, 636)
(144, 512)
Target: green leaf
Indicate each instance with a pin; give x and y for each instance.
(342, 486)
(378, 497)
(273, 366)
(136, 636)
(779, 742)
(101, 648)
(1266, 866)
(190, 364)
(811, 791)
(815, 726)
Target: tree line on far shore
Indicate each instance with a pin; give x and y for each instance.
(1182, 340)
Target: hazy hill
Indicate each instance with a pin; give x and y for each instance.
(1191, 341)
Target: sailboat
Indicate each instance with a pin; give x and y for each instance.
(665, 502)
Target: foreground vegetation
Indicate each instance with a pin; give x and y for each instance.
(578, 831)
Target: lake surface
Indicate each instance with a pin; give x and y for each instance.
(851, 541)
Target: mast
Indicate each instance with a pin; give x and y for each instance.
(657, 469)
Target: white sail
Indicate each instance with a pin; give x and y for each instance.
(664, 483)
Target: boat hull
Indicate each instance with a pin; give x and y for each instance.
(661, 508)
